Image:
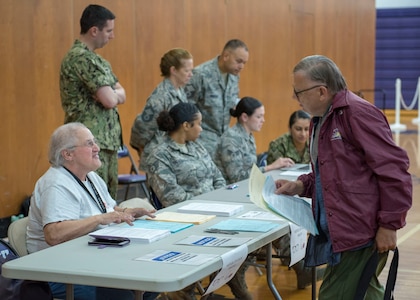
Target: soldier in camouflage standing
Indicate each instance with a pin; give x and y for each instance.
(90, 92)
(214, 88)
(176, 67)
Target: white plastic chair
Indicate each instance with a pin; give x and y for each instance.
(17, 235)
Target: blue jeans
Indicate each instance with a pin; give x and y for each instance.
(84, 292)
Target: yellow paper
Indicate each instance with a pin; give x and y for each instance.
(170, 216)
(256, 185)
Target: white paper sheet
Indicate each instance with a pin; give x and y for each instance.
(294, 209)
(231, 263)
(298, 242)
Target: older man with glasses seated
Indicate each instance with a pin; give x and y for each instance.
(70, 200)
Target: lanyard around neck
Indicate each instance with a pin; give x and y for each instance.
(98, 199)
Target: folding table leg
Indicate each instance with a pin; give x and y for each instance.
(269, 267)
(69, 291)
(138, 295)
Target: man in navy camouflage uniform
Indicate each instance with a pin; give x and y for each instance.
(90, 92)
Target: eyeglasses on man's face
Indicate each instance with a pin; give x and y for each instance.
(88, 144)
(308, 89)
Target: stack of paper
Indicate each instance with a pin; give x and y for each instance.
(244, 225)
(218, 209)
(143, 235)
(183, 218)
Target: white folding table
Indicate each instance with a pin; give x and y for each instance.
(74, 262)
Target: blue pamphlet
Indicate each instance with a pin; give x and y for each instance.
(171, 226)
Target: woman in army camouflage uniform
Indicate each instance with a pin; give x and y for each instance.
(236, 152)
(181, 168)
(176, 68)
(235, 157)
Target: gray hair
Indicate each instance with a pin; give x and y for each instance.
(322, 69)
(64, 137)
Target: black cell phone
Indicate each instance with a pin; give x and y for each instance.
(109, 242)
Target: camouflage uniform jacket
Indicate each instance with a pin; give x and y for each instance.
(284, 147)
(213, 97)
(236, 153)
(82, 73)
(144, 132)
(179, 173)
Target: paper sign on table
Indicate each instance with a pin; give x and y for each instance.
(177, 257)
(231, 263)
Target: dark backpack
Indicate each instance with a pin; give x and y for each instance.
(17, 289)
(24, 208)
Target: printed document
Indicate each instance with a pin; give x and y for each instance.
(298, 242)
(176, 257)
(294, 209)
